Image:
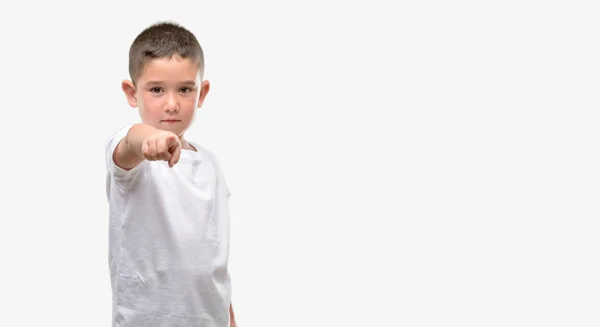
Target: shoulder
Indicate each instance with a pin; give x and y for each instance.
(209, 157)
(112, 141)
(206, 155)
(117, 134)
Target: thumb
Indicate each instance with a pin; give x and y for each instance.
(172, 140)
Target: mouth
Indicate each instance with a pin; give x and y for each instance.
(170, 121)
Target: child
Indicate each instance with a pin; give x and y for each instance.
(168, 200)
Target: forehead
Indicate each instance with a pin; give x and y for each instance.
(174, 69)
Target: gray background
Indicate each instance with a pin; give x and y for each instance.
(392, 163)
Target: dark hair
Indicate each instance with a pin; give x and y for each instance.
(163, 40)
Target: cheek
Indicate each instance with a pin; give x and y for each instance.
(189, 104)
(150, 106)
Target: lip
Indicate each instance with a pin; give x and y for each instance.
(170, 121)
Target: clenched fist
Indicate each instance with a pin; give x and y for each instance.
(162, 145)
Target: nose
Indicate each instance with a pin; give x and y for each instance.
(172, 104)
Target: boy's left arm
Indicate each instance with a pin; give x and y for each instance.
(232, 322)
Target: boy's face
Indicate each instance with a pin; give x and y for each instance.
(167, 94)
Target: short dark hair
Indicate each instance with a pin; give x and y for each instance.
(163, 40)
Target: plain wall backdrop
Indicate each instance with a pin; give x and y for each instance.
(425, 163)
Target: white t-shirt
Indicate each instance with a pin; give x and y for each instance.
(168, 241)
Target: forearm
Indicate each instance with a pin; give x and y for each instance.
(128, 153)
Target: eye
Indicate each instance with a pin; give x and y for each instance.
(185, 90)
(156, 90)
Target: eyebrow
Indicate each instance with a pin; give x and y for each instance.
(159, 83)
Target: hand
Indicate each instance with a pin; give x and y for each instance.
(162, 145)
(232, 322)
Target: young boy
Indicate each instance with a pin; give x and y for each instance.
(168, 200)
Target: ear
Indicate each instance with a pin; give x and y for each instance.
(204, 88)
(129, 90)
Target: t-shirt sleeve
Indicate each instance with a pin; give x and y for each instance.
(115, 171)
(221, 182)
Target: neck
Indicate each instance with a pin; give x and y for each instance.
(186, 145)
